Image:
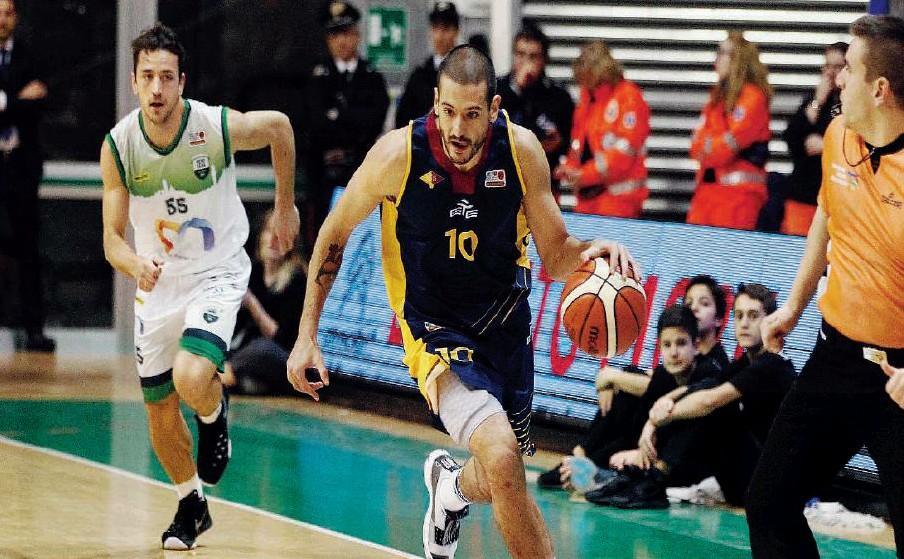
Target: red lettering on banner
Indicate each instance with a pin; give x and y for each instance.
(547, 285)
(558, 363)
(395, 333)
(649, 287)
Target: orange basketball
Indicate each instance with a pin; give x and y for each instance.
(602, 312)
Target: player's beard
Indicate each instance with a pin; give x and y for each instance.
(469, 154)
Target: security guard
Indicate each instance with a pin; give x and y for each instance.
(417, 98)
(346, 105)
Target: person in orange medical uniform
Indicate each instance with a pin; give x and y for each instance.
(732, 141)
(606, 164)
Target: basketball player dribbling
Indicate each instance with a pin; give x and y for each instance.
(168, 168)
(461, 190)
(851, 390)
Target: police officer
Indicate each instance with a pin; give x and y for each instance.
(417, 98)
(346, 103)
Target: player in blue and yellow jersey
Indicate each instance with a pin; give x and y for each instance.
(461, 191)
(168, 168)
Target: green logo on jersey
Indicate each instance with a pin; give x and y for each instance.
(200, 164)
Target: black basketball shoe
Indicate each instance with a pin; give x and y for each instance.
(192, 519)
(214, 446)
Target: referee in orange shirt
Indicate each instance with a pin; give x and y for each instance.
(851, 391)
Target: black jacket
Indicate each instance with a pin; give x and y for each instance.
(417, 99)
(342, 115)
(807, 174)
(24, 115)
(543, 108)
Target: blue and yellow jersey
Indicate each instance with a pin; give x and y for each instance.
(454, 243)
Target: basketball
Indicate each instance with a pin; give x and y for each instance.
(603, 312)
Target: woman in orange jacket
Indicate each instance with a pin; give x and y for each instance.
(606, 163)
(732, 141)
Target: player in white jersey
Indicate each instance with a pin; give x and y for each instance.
(168, 168)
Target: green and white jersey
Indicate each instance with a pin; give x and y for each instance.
(183, 199)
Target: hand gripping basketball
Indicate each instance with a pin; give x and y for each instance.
(603, 312)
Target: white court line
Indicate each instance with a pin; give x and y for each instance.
(268, 514)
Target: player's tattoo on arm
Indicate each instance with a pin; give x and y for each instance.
(328, 271)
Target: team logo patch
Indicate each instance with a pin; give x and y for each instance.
(211, 315)
(495, 179)
(738, 114)
(198, 138)
(630, 120)
(145, 176)
(431, 179)
(611, 111)
(200, 164)
(464, 209)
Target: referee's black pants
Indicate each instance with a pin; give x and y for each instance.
(837, 405)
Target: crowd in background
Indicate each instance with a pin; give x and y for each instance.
(595, 148)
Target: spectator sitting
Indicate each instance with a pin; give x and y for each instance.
(758, 379)
(804, 138)
(678, 340)
(619, 392)
(624, 400)
(268, 324)
(706, 299)
(417, 98)
(606, 163)
(535, 101)
(732, 143)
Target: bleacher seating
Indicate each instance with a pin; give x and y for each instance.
(668, 48)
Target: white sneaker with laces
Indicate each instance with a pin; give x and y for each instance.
(441, 526)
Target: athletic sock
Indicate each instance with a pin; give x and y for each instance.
(450, 496)
(185, 488)
(208, 419)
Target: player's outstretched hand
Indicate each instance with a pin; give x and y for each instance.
(775, 327)
(306, 355)
(620, 259)
(148, 273)
(895, 384)
(285, 228)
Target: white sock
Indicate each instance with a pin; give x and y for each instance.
(185, 488)
(449, 492)
(208, 419)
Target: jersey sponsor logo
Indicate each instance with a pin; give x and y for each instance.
(495, 179)
(430, 327)
(180, 230)
(630, 120)
(145, 176)
(611, 111)
(464, 209)
(198, 138)
(431, 178)
(892, 201)
(843, 176)
(200, 164)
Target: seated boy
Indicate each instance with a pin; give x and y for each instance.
(758, 380)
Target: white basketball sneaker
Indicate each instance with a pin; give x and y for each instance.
(440, 525)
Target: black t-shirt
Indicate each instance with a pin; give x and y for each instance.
(705, 375)
(763, 384)
(717, 359)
